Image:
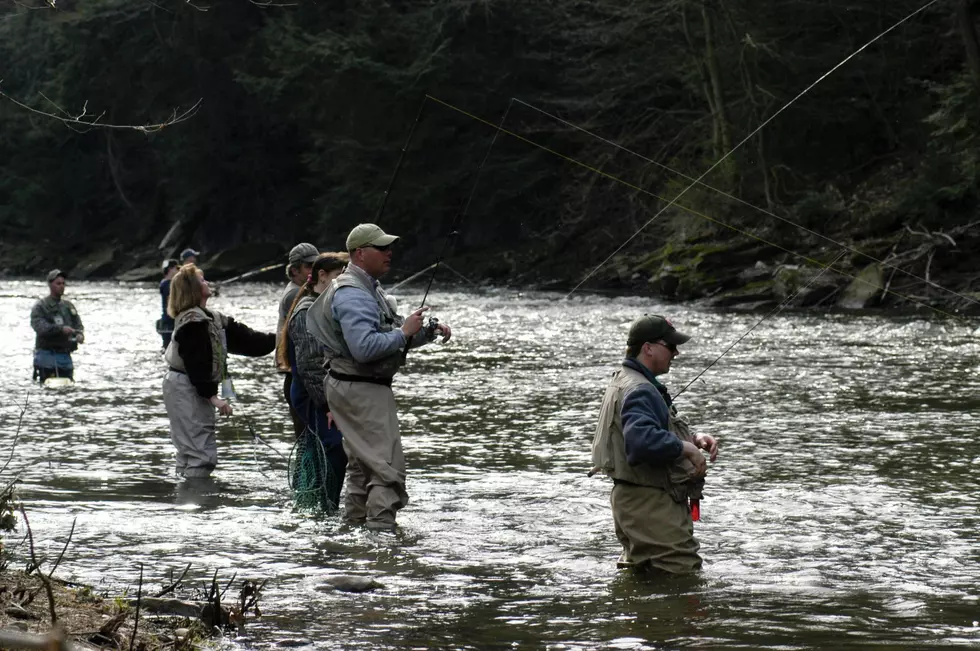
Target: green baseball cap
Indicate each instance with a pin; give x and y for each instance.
(653, 327)
(368, 235)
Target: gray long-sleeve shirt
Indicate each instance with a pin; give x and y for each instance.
(357, 313)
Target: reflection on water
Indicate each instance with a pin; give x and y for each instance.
(842, 512)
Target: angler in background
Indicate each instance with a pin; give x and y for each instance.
(189, 256)
(364, 337)
(197, 356)
(59, 331)
(654, 460)
(301, 259)
(165, 324)
(314, 480)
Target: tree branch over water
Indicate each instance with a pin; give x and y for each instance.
(94, 121)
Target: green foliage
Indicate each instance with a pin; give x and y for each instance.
(305, 108)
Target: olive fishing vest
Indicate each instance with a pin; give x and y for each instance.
(216, 332)
(59, 313)
(609, 445)
(322, 325)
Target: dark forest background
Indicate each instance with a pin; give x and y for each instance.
(304, 107)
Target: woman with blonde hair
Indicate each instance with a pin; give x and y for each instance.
(197, 356)
(321, 462)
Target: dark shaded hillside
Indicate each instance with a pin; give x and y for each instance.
(304, 110)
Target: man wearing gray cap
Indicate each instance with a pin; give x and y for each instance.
(189, 256)
(301, 259)
(59, 331)
(364, 338)
(654, 460)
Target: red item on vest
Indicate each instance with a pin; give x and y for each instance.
(695, 510)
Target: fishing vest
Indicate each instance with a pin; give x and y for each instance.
(216, 332)
(60, 313)
(322, 325)
(609, 445)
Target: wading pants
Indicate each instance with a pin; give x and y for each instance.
(191, 426)
(367, 416)
(655, 531)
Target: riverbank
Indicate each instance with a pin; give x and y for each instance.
(910, 270)
(87, 618)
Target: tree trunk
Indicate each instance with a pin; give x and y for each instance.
(719, 112)
(969, 31)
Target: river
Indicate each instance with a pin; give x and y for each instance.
(842, 511)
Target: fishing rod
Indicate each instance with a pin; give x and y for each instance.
(776, 310)
(401, 158)
(749, 204)
(464, 208)
(249, 274)
(762, 126)
(457, 219)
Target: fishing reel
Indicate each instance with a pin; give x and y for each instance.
(430, 328)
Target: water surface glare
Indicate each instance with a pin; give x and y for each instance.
(842, 512)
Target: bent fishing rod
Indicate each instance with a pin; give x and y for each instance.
(457, 218)
(464, 207)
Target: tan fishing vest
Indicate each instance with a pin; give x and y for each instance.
(609, 445)
(219, 341)
(322, 325)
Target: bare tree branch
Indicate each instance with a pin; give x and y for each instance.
(20, 421)
(44, 579)
(90, 122)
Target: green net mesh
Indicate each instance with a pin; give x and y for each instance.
(315, 483)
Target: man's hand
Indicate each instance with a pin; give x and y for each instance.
(221, 405)
(414, 322)
(80, 337)
(445, 331)
(694, 455)
(330, 419)
(68, 330)
(708, 444)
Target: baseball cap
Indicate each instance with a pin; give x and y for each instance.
(653, 327)
(368, 235)
(186, 253)
(304, 252)
(54, 273)
(169, 263)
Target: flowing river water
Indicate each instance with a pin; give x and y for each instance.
(842, 511)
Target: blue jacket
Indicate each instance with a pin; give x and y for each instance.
(645, 414)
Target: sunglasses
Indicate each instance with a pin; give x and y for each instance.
(671, 347)
(386, 247)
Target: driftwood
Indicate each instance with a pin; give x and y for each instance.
(54, 641)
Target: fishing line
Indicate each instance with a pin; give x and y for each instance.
(779, 308)
(256, 439)
(749, 137)
(688, 209)
(464, 208)
(744, 202)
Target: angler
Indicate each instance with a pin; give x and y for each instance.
(654, 460)
(59, 331)
(364, 336)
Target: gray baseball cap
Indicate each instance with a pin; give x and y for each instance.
(54, 273)
(303, 252)
(368, 235)
(188, 253)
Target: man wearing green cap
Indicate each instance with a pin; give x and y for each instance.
(654, 460)
(59, 331)
(364, 339)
